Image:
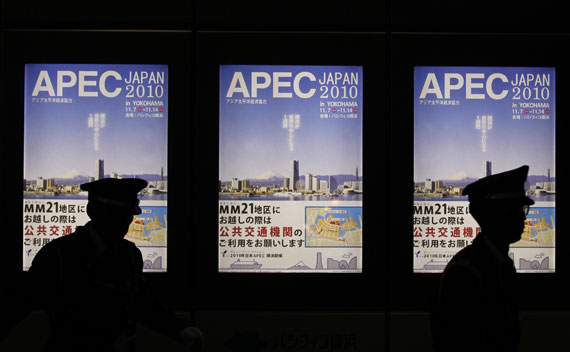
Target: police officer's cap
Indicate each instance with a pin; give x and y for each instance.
(507, 186)
(114, 192)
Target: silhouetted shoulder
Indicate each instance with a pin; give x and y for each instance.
(135, 253)
(54, 247)
(461, 274)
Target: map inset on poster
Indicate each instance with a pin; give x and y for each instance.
(538, 230)
(149, 228)
(334, 226)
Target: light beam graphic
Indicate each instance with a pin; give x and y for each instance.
(484, 123)
(291, 122)
(96, 122)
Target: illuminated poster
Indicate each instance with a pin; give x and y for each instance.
(290, 169)
(471, 122)
(87, 122)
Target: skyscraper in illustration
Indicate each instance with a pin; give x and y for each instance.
(286, 183)
(308, 181)
(488, 169)
(332, 184)
(99, 169)
(319, 264)
(294, 174)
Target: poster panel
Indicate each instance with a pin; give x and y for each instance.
(471, 122)
(290, 169)
(84, 122)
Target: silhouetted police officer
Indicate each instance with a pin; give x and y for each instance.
(93, 278)
(476, 308)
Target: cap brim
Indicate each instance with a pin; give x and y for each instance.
(528, 201)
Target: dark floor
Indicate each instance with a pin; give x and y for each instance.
(312, 331)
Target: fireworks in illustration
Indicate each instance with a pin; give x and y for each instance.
(291, 122)
(96, 122)
(484, 123)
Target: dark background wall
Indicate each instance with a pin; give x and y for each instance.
(386, 307)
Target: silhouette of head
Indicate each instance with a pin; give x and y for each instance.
(112, 205)
(499, 204)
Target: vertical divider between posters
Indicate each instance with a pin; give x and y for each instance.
(388, 144)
